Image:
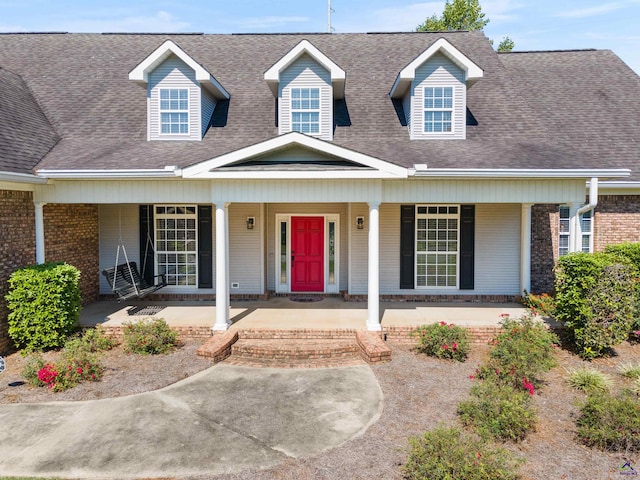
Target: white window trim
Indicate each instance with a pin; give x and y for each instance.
(161, 111)
(425, 110)
(174, 288)
(582, 233)
(457, 252)
(299, 110)
(286, 217)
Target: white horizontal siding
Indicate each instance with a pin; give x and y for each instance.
(245, 249)
(439, 71)
(483, 191)
(406, 106)
(113, 221)
(208, 105)
(271, 210)
(497, 253)
(360, 247)
(305, 72)
(174, 73)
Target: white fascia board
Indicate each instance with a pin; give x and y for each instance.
(21, 178)
(474, 173)
(472, 72)
(141, 72)
(618, 188)
(338, 75)
(203, 169)
(167, 172)
(298, 175)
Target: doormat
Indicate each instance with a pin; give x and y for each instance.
(305, 298)
(145, 310)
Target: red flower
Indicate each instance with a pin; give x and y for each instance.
(443, 323)
(455, 345)
(79, 370)
(445, 346)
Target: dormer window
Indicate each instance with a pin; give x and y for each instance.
(305, 83)
(433, 92)
(305, 110)
(174, 111)
(181, 94)
(438, 109)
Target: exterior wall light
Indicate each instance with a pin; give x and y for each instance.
(251, 222)
(360, 223)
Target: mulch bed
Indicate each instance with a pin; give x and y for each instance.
(419, 393)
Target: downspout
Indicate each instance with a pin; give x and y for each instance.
(593, 202)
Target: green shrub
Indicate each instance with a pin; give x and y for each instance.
(44, 303)
(75, 366)
(450, 454)
(595, 300)
(589, 380)
(610, 423)
(630, 370)
(543, 304)
(443, 340)
(498, 412)
(33, 364)
(149, 336)
(630, 251)
(521, 352)
(92, 340)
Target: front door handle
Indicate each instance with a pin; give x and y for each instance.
(292, 260)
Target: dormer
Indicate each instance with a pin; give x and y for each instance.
(181, 94)
(433, 92)
(306, 82)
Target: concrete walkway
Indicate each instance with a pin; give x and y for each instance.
(224, 419)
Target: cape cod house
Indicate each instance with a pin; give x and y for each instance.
(393, 165)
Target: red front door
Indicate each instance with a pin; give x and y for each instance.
(307, 254)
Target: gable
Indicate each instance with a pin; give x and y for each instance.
(294, 155)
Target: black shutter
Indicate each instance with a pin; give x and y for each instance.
(467, 246)
(205, 247)
(146, 243)
(407, 245)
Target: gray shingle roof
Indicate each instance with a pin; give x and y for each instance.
(25, 133)
(533, 110)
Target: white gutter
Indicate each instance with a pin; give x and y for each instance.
(21, 178)
(166, 172)
(593, 197)
(421, 170)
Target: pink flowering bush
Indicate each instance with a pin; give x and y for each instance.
(443, 340)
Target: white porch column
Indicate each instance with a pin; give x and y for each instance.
(525, 248)
(575, 228)
(222, 274)
(39, 214)
(373, 306)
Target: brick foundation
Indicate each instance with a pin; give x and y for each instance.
(71, 236)
(479, 335)
(17, 241)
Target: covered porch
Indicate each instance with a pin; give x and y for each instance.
(309, 312)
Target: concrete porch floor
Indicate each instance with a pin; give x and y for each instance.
(283, 313)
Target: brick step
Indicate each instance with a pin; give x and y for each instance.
(283, 349)
(294, 363)
(297, 334)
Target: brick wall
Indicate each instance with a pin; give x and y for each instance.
(617, 220)
(17, 241)
(71, 236)
(544, 246)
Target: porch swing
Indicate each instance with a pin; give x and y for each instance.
(124, 279)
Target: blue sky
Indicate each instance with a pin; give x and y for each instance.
(532, 24)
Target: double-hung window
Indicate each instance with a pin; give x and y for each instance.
(174, 111)
(305, 110)
(438, 109)
(563, 231)
(176, 243)
(437, 245)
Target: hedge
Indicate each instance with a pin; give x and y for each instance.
(44, 305)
